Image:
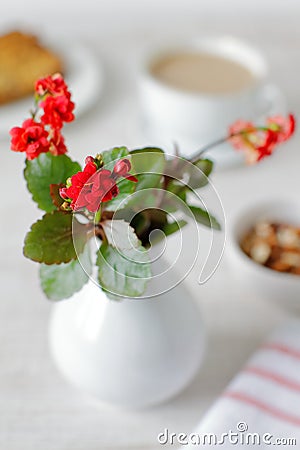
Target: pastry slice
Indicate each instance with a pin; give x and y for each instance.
(22, 61)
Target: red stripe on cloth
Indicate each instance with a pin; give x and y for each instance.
(277, 413)
(273, 377)
(282, 349)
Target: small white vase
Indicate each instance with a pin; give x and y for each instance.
(132, 353)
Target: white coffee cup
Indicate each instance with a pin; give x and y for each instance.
(193, 119)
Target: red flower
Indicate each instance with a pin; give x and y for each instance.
(238, 133)
(255, 143)
(53, 85)
(57, 143)
(57, 110)
(266, 148)
(259, 142)
(89, 188)
(284, 126)
(101, 189)
(122, 169)
(31, 138)
(76, 183)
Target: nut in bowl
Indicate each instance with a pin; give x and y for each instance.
(265, 249)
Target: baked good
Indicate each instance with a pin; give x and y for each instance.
(23, 59)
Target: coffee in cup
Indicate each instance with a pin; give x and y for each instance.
(201, 72)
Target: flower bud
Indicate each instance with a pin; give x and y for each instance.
(122, 167)
(63, 193)
(89, 159)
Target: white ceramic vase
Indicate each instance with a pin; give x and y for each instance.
(132, 353)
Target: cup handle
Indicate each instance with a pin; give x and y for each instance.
(272, 101)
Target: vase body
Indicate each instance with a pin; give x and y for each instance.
(132, 353)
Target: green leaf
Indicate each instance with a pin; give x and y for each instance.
(204, 217)
(178, 193)
(109, 156)
(120, 235)
(178, 188)
(199, 178)
(143, 199)
(206, 165)
(62, 281)
(173, 227)
(50, 239)
(123, 262)
(117, 203)
(146, 150)
(148, 164)
(44, 170)
(123, 274)
(194, 176)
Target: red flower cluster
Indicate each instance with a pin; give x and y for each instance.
(35, 137)
(31, 138)
(259, 142)
(93, 186)
(57, 110)
(53, 85)
(57, 143)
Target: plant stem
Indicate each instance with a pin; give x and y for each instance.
(36, 109)
(98, 216)
(204, 149)
(220, 141)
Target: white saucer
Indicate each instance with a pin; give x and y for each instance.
(272, 102)
(84, 76)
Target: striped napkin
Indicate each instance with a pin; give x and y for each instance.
(263, 399)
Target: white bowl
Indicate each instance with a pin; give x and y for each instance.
(276, 286)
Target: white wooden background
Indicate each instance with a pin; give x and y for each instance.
(38, 409)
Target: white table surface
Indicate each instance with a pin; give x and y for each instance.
(38, 409)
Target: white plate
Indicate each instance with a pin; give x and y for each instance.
(84, 75)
